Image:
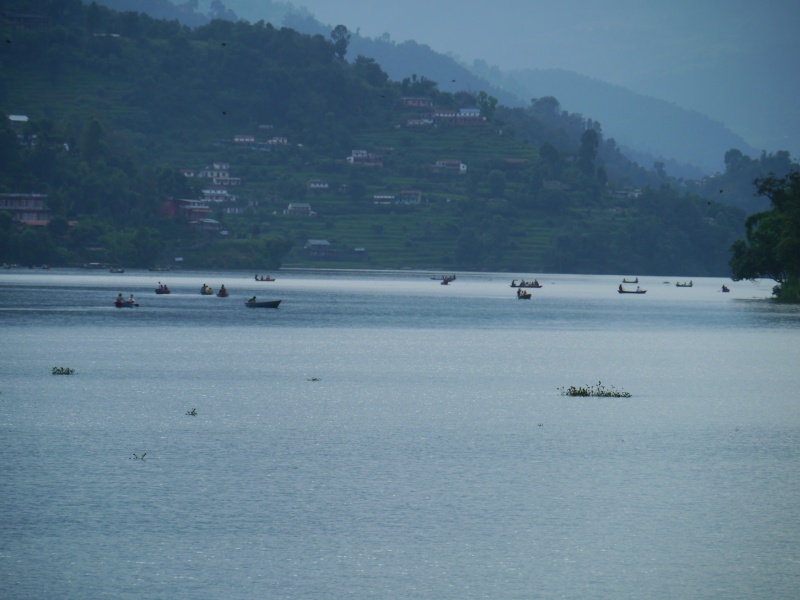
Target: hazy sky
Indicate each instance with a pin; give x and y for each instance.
(737, 61)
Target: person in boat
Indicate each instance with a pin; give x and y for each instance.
(513, 283)
(120, 299)
(253, 299)
(535, 282)
(519, 292)
(620, 287)
(222, 289)
(638, 289)
(131, 300)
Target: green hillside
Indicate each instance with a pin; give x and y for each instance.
(119, 105)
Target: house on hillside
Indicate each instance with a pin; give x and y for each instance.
(320, 249)
(217, 194)
(419, 122)
(30, 209)
(383, 199)
(194, 210)
(219, 174)
(317, 185)
(207, 225)
(462, 116)
(627, 193)
(409, 197)
(417, 102)
(299, 208)
(450, 165)
(362, 157)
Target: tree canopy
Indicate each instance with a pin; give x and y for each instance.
(772, 245)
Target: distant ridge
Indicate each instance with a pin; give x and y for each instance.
(644, 124)
(689, 143)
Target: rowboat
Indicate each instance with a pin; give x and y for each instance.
(526, 284)
(262, 278)
(163, 289)
(679, 284)
(263, 304)
(523, 295)
(622, 290)
(206, 290)
(631, 280)
(222, 293)
(125, 304)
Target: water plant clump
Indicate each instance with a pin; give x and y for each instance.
(62, 371)
(598, 390)
(192, 413)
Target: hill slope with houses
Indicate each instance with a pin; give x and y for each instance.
(239, 145)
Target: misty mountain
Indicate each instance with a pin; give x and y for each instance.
(649, 130)
(645, 125)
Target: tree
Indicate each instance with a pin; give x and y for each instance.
(590, 141)
(772, 247)
(92, 145)
(487, 104)
(341, 39)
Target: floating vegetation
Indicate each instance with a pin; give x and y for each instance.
(313, 379)
(192, 413)
(62, 371)
(598, 390)
(137, 457)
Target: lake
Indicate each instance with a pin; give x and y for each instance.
(384, 436)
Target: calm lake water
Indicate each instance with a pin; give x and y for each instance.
(384, 436)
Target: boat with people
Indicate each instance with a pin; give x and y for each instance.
(116, 270)
(253, 303)
(121, 302)
(525, 284)
(264, 278)
(684, 284)
(631, 280)
(222, 293)
(206, 290)
(725, 288)
(523, 295)
(162, 289)
(638, 290)
(443, 277)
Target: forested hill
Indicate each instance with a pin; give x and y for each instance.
(120, 107)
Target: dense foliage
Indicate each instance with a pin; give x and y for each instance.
(772, 245)
(119, 103)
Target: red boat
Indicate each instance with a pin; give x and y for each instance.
(262, 278)
(125, 304)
